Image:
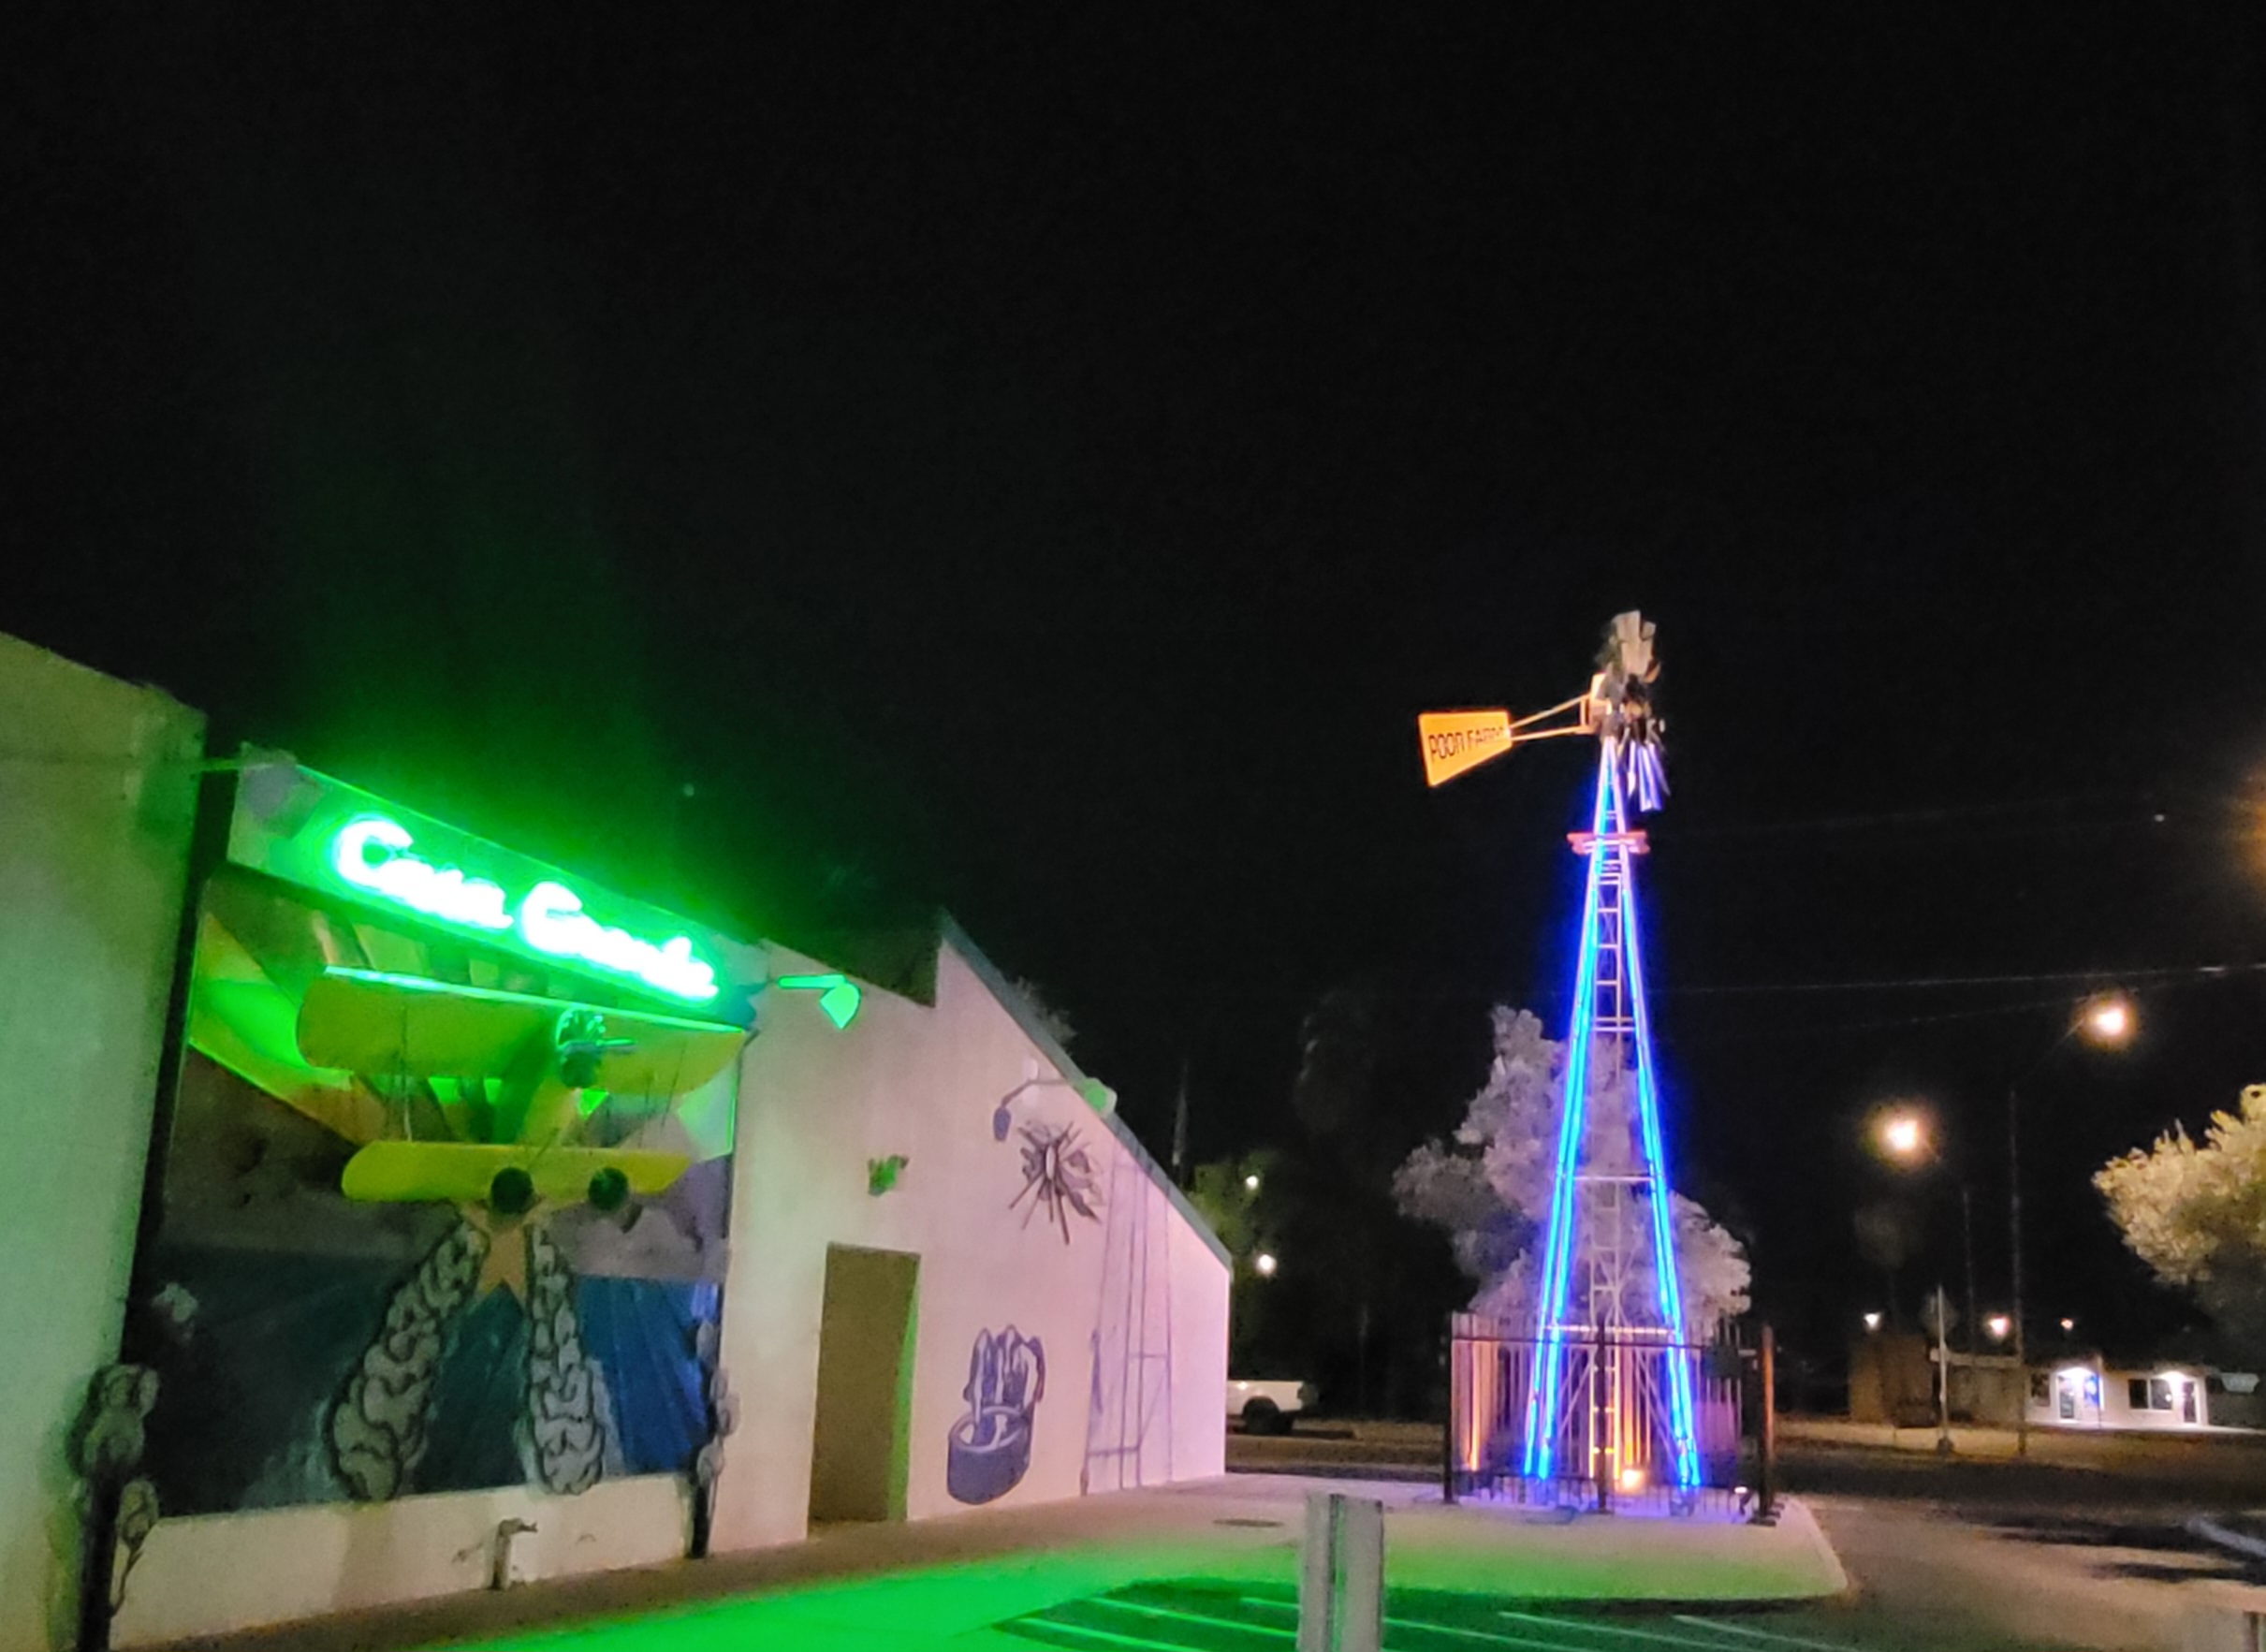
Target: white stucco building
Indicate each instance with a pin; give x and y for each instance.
(2080, 1395)
(477, 1185)
(1125, 1310)
(97, 787)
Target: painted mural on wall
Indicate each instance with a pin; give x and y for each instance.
(118, 1505)
(1057, 1176)
(989, 1450)
(376, 1277)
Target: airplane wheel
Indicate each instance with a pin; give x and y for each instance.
(512, 1192)
(610, 1188)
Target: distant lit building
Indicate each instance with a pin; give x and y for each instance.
(2076, 1395)
(1893, 1381)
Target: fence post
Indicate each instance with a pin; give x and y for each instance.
(1447, 1433)
(1604, 1453)
(1341, 1574)
(1766, 1487)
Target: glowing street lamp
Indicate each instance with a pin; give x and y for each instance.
(1265, 1264)
(1872, 1322)
(1904, 1135)
(1250, 1184)
(2108, 1020)
(2000, 1324)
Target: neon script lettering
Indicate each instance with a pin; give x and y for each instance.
(441, 892)
(551, 920)
(373, 853)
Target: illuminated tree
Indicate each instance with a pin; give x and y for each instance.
(1057, 1024)
(1224, 1195)
(2197, 1213)
(1488, 1185)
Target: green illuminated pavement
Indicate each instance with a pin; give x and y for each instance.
(1209, 1568)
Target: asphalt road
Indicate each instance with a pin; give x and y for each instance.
(2086, 1545)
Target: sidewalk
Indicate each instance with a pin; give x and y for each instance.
(2231, 1459)
(989, 1580)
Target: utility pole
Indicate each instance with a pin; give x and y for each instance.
(1180, 1130)
(1943, 1375)
(1966, 1243)
(2022, 1357)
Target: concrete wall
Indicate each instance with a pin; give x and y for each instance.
(817, 1104)
(1987, 1388)
(1891, 1378)
(214, 1574)
(97, 797)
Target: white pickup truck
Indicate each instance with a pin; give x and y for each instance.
(1269, 1405)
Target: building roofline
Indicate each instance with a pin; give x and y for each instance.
(1012, 1000)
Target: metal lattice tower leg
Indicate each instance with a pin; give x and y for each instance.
(1604, 1222)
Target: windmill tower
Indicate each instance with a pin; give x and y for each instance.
(1609, 1390)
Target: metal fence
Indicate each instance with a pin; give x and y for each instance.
(1613, 1444)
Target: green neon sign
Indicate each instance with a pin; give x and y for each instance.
(377, 857)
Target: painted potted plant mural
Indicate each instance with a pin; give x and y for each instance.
(990, 1448)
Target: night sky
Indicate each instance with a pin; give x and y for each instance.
(1041, 460)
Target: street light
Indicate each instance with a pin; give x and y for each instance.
(2109, 1020)
(1092, 1092)
(1902, 1135)
(1904, 1138)
(1872, 1322)
(1250, 1184)
(1999, 1325)
(1264, 1261)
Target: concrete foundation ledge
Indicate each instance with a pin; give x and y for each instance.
(1228, 1548)
(2224, 1617)
(220, 1575)
(1614, 1558)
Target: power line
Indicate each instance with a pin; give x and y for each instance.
(1937, 815)
(2163, 975)
(2153, 977)
(1680, 1037)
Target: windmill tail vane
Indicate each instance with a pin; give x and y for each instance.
(1617, 709)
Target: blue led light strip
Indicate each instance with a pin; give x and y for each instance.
(1655, 1169)
(1541, 1396)
(1608, 819)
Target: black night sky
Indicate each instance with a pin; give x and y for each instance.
(1041, 460)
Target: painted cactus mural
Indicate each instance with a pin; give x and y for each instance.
(378, 1429)
(990, 1446)
(564, 1415)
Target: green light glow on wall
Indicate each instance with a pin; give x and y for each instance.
(838, 995)
(374, 856)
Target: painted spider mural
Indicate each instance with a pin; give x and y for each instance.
(1060, 1173)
